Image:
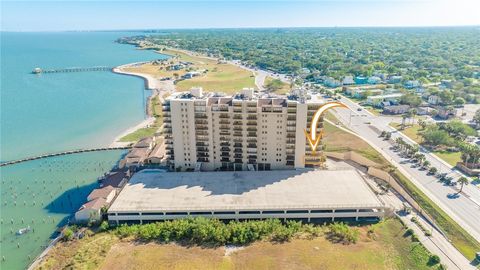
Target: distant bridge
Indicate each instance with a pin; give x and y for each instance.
(73, 69)
(62, 154)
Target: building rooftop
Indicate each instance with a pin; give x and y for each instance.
(100, 193)
(96, 204)
(151, 190)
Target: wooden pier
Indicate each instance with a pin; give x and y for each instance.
(62, 154)
(73, 69)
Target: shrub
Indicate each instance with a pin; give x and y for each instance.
(341, 232)
(212, 231)
(104, 226)
(68, 234)
(434, 259)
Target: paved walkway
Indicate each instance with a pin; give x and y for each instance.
(463, 209)
(436, 243)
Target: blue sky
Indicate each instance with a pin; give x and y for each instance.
(109, 15)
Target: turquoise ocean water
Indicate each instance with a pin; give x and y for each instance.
(56, 112)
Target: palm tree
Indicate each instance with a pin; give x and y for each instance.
(426, 164)
(462, 181)
(433, 170)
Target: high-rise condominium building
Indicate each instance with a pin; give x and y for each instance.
(247, 131)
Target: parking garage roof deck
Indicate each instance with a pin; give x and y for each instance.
(154, 191)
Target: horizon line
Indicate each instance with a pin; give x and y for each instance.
(241, 27)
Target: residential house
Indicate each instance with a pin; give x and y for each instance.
(331, 82)
(136, 157)
(147, 142)
(374, 80)
(396, 109)
(377, 100)
(191, 74)
(157, 155)
(434, 100)
(394, 79)
(361, 80)
(411, 84)
(91, 211)
(107, 192)
(359, 93)
(446, 112)
(348, 80)
(116, 179)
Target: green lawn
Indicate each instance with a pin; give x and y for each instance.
(450, 157)
(282, 88)
(411, 131)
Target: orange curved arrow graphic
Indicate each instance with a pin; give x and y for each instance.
(313, 139)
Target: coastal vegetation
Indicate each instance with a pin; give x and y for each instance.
(156, 108)
(385, 245)
(213, 75)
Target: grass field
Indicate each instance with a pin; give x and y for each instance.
(284, 88)
(412, 132)
(450, 157)
(337, 140)
(386, 248)
(219, 76)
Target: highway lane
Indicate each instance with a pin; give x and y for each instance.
(464, 209)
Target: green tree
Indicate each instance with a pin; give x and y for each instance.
(462, 181)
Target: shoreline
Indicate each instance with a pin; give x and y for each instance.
(157, 87)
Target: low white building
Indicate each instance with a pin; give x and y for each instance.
(91, 211)
(377, 100)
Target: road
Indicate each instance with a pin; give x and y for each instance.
(465, 209)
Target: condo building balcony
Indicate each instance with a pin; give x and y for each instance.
(251, 134)
(225, 144)
(224, 127)
(238, 150)
(201, 122)
(237, 117)
(251, 123)
(252, 140)
(290, 157)
(238, 134)
(251, 145)
(224, 159)
(224, 139)
(238, 140)
(225, 148)
(238, 160)
(202, 149)
(201, 132)
(202, 159)
(236, 110)
(238, 145)
(224, 122)
(252, 151)
(224, 116)
(202, 143)
(201, 116)
(252, 117)
(202, 154)
(238, 156)
(290, 163)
